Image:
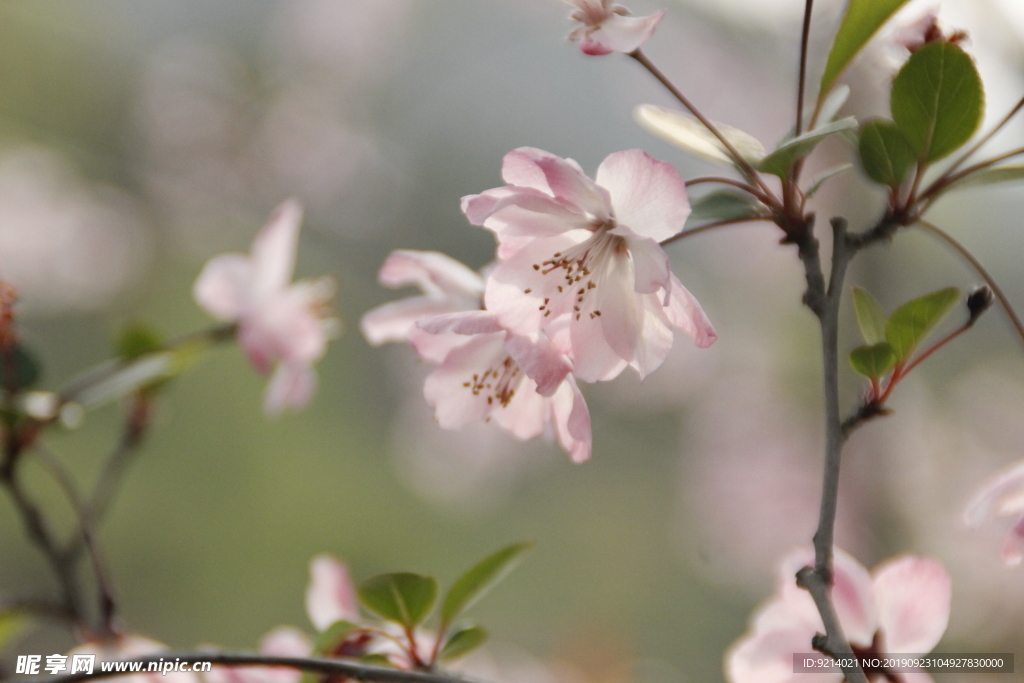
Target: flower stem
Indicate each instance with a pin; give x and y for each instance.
(737, 158)
(804, 39)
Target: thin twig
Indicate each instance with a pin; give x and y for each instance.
(348, 669)
(947, 180)
(711, 226)
(980, 269)
(825, 304)
(756, 193)
(743, 164)
(85, 531)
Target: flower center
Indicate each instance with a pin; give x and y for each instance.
(580, 268)
(497, 383)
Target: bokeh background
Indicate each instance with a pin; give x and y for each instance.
(140, 137)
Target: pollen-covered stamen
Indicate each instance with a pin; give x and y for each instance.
(580, 268)
(497, 383)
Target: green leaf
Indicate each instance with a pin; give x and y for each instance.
(117, 379)
(833, 103)
(483, 576)
(885, 153)
(988, 176)
(462, 642)
(779, 161)
(937, 100)
(725, 205)
(690, 135)
(405, 598)
(911, 322)
(138, 339)
(26, 369)
(825, 177)
(328, 640)
(873, 361)
(870, 316)
(377, 659)
(862, 20)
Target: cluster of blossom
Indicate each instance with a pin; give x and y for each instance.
(580, 290)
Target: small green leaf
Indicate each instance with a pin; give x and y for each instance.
(862, 20)
(873, 361)
(689, 134)
(779, 161)
(988, 176)
(117, 379)
(825, 177)
(405, 598)
(328, 640)
(870, 316)
(462, 642)
(377, 659)
(885, 153)
(26, 369)
(483, 576)
(937, 100)
(912, 321)
(725, 205)
(833, 103)
(138, 339)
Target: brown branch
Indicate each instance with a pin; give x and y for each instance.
(348, 669)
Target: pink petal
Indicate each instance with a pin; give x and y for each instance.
(634, 325)
(913, 596)
(647, 195)
(286, 641)
(463, 322)
(620, 34)
(330, 596)
(650, 263)
(291, 386)
(571, 419)
(685, 312)
(1003, 495)
(223, 285)
(274, 249)
(287, 327)
(516, 290)
(560, 178)
(526, 414)
(455, 405)
(393, 322)
(435, 348)
(436, 274)
(540, 360)
(523, 212)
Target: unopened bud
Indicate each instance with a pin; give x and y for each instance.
(978, 302)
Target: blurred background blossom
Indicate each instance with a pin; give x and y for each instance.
(140, 137)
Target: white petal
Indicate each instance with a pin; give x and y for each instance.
(392, 322)
(436, 274)
(526, 414)
(571, 419)
(223, 286)
(463, 322)
(291, 386)
(650, 263)
(685, 312)
(274, 249)
(620, 34)
(647, 195)
(991, 501)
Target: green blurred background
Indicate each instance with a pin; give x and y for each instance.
(140, 137)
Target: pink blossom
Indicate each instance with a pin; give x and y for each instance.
(607, 27)
(1003, 497)
(282, 326)
(903, 607)
(590, 252)
(926, 29)
(523, 383)
(447, 286)
(330, 596)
